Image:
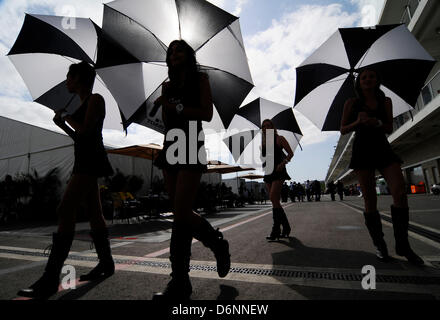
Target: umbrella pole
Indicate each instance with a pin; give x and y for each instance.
(151, 176)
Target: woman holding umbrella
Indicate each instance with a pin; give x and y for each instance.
(90, 163)
(370, 115)
(272, 152)
(186, 101)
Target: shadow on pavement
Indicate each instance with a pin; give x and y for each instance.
(299, 255)
(227, 293)
(81, 290)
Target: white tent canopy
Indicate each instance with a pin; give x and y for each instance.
(25, 148)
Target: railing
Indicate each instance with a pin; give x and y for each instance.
(428, 93)
(408, 11)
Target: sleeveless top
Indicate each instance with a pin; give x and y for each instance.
(195, 152)
(371, 149)
(90, 155)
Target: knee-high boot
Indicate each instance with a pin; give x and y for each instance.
(48, 284)
(276, 228)
(374, 226)
(400, 217)
(285, 223)
(213, 239)
(179, 287)
(106, 265)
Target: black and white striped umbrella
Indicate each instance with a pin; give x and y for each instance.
(325, 80)
(245, 129)
(43, 52)
(146, 28)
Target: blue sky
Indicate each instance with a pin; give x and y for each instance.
(278, 35)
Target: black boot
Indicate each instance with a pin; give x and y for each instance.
(106, 265)
(285, 223)
(374, 226)
(48, 284)
(400, 217)
(276, 229)
(179, 287)
(213, 239)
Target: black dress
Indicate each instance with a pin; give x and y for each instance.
(278, 156)
(193, 157)
(371, 149)
(90, 155)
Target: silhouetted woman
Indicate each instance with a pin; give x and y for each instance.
(370, 115)
(186, 102)
(90, 163)
(272, 150)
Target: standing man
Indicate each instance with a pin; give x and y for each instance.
(340, 188)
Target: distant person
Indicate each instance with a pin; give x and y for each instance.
(340, 188)
(316, 187)
(284, 192)
(332, 190)
(90, 163)
(370, 115)
(308, 187)
(263, 195)
(272, 150)
(186, 100)
(292, 191)
(301, 192)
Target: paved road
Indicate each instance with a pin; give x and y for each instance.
(323, 259)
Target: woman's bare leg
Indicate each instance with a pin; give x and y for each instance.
(396, 183)
(76, 193)
(275, 193)
(367, 181)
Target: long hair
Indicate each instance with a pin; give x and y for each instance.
(191, 67)
(380, 95)
(263, 135)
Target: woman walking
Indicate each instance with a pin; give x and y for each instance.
(370, 115)
(90, 163)
(272, 151)
(186, 101)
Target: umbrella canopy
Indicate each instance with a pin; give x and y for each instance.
(252, 176)
(245, 145)
(325, 80)
(43, 52)
(146, 28)
(147, 151)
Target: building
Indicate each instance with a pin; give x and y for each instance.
(416, 135)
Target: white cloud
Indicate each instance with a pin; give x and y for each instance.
(239, 7)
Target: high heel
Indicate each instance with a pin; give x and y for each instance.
(272, 237)
(374, 226)
(213, 239)
(48, 284)
(276, 230)
(106, 265)
(400, 218)
(285, 233)
(179, 287)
